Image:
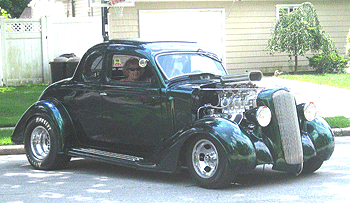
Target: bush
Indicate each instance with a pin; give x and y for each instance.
(330, 62)
(4, 13)
(348, 44)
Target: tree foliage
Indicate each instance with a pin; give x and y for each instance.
(14, 7)
(299, 32)
(4, 13)
(348, 44)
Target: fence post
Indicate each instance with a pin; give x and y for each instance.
(2, 50)
(44, 44)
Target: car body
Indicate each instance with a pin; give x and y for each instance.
(186, 111)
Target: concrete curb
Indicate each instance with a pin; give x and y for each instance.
(339, 132)
(19, 149)
(12, 149)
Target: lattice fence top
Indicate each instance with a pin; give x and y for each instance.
(21, 27)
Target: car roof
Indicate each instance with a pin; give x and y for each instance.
(156, 46)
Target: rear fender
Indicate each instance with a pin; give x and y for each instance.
(52, 110)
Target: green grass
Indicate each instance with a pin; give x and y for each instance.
(5, 137)
(338, 122)
(15, 100)
(336, 80)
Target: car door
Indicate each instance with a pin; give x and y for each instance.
(84, 101)
(132, 111)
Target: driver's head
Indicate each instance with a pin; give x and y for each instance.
(132, 70)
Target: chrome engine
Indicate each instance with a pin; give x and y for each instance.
(233, 99)
(231, 102)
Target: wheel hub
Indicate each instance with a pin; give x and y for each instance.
(40, 142)
(205, 158)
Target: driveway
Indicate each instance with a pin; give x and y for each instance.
(330, 101)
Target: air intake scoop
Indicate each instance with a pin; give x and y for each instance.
(242, 77)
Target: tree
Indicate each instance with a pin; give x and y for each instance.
(4, 13)
(299, 32)
(348, 44)
(14, 7)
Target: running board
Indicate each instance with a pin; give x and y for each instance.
(112, 158)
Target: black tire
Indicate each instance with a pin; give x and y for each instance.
(41, 145)
(208, 163)
(312, 165)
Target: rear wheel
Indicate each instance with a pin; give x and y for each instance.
(41, 145)
(208, 163)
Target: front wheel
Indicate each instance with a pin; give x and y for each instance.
(312, 165)
(208, 163)
(41, 145)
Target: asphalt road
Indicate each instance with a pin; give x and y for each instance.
(90, 181)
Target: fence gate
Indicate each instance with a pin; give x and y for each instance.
(28, 45)
(23, 52)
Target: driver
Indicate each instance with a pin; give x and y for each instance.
(132, 71)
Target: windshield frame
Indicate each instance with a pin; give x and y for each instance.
(205, 54)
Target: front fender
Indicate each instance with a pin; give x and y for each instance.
(322, 137)
(239, 148)
(52, 110)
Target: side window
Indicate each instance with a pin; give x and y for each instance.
(93, 67)
(282, 9)
(126, 68)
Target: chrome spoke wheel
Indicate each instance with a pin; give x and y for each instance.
(205, 158)
(40, 142)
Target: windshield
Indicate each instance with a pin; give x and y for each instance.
(174, 65)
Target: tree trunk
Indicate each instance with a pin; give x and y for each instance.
(295, 64)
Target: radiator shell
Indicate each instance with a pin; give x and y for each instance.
(288, 125)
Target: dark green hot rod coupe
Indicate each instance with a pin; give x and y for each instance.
(161, 106)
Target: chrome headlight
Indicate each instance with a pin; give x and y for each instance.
(263, 116)
(309, 111)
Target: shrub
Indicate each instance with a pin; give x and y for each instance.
(330, 62)
(348, 44)
(4, 13)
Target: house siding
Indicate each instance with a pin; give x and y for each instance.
(82, 8)
(247, 28)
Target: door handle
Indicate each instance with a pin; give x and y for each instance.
(103, 94)
(150, 101)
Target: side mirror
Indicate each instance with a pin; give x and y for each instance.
(143, 63)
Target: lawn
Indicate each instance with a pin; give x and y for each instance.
(336, 80)
(338, 122)
(15, 100)
(5, 137)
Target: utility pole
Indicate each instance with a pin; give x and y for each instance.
(104, 14)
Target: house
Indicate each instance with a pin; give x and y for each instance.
(237, 30)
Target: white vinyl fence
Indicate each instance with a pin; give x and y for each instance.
(28, 46)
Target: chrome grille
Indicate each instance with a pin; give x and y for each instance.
(287, 119)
